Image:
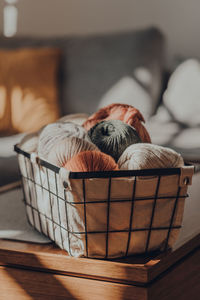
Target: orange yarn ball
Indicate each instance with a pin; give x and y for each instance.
(91, 161)
(124, 112)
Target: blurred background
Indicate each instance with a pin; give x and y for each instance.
(179, 20)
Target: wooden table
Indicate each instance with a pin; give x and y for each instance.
(33, 271)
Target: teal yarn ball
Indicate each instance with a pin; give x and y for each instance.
(113, 137)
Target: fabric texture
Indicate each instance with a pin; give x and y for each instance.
(78, 202)
(14, 224)
(28, 89)
(13, 221)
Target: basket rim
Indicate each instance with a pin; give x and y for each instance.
(104, 174)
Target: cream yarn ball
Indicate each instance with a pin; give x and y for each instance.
(67, 148)
(54, 133)
(149, 156)
(29, 143)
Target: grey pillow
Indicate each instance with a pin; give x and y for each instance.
(91, 65)
(95, 64)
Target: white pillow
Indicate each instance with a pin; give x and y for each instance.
(161, 127)
(189, 138)
(182, 96)
(7, 144)
(129, 91)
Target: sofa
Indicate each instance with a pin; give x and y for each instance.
(119, 66)
(97, 70)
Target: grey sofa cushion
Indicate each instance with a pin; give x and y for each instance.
(95, 64)
(91, 65)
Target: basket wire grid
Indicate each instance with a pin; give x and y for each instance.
(37, 215)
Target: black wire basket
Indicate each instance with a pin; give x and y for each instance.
(104, 214)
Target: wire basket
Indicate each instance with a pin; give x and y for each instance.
(104, 214)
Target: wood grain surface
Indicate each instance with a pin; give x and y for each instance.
(25, 284)
(180, 282)
(138, 270)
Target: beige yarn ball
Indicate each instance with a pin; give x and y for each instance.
(67, 148)
(29, 143)
(54, 133)
(74, 118)
(149, 156)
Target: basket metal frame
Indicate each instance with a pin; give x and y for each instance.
(107, 174)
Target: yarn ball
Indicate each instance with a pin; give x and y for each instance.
(113, 137)
(29, 143)
(74, 118)
(124, 112)
(149, 156)
(67, 148)
(54, 133)
(91, 161)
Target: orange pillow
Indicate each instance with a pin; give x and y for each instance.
(28, 89)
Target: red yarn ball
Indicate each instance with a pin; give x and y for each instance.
(124, 112)
(91, 161)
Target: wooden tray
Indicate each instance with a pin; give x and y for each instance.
(32, 269)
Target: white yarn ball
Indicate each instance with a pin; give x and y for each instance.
(74, 118)
(149, 156)
(29, 143)
(67, 148)
(54, 133)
